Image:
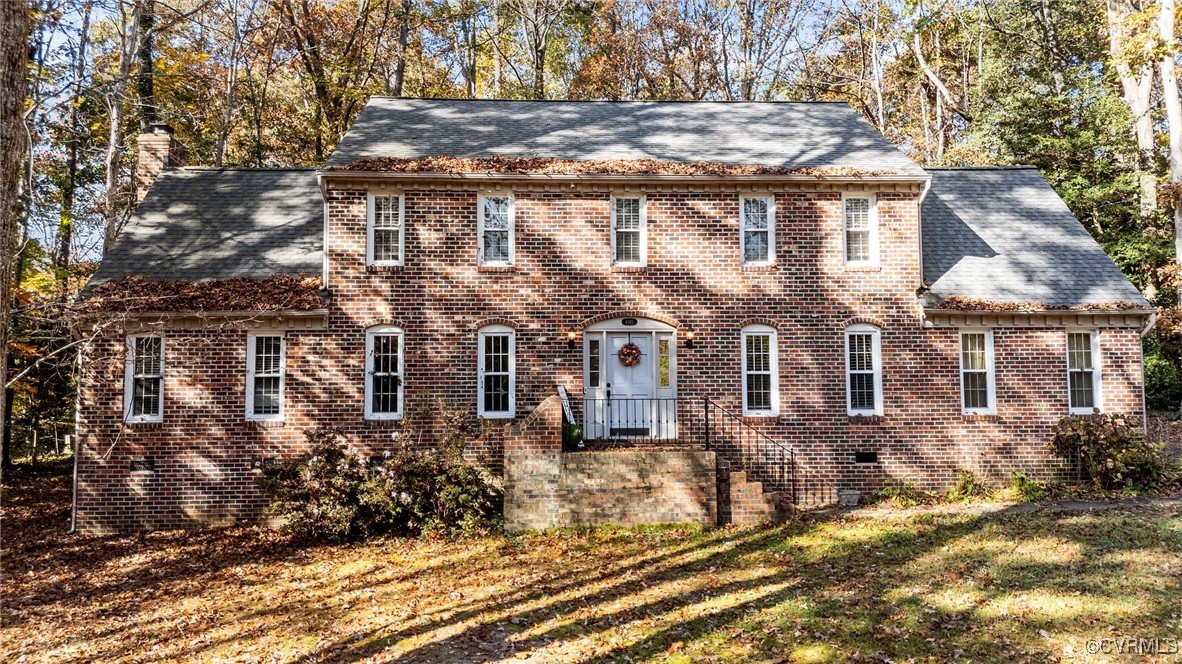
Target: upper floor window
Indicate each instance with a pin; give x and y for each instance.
(496, 380)
(976, 372)
(383, 373)
(861, 230)
(863, 366)
(265, 357)
(496, 230)
(143, 391)
(758, 237)
(385, 230)
(629, 232)
(1083, 372)
(760, 376)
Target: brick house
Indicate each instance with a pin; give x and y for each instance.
(745, 303)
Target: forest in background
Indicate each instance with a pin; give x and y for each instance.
(1083, 89)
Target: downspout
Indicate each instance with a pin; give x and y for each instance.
(324, 246)
(923, 194)
(1149, 325)
(77, 444)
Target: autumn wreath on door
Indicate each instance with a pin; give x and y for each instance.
(629, 355)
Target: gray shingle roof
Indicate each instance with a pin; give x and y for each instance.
(200, 224)
(777, 134)
(1003, 234)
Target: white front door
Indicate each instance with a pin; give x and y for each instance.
(630, 403)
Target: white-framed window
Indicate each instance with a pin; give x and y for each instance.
(383, 373)
(497, 368)
(265, 359)
(761, 381)
(863, 368)
(977, 375)
(860, 223)
(1083, 372)
(629, 231)
(757, 230)
(143, 386)
(495, 238)
(385, 229)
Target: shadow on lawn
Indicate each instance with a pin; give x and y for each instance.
(813, 587)
(856, 599)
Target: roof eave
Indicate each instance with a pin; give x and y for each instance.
(329, 173)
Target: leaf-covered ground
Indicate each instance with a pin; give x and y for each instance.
(1006, 586)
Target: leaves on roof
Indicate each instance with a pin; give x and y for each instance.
(554, 166)
(961, 303)
(284, 292)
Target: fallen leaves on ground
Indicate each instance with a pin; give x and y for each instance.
(1020, 587)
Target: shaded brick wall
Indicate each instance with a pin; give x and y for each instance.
(563, 277)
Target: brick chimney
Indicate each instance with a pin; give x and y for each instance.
(157, 150)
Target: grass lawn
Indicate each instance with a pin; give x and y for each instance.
(1008, 587)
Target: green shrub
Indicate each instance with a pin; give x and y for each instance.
(1030, 490)
(1111, 450)
(967, 487)
(333, 493)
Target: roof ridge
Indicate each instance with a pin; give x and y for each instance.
(613, 101)
(263, 169)
(1002, 167)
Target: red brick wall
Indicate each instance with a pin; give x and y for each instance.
(562, 277)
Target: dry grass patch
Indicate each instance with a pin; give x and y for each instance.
(1017, 587)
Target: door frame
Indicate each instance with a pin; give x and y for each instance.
(600, 331)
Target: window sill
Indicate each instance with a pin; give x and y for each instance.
(629, 268)
(266, 424)
(862, 268)
(771, 267)
(382, 422)
(144, 424)
(497, 416)
(980, 417)
(495, 268)
(864, 419)
(761, 418)
(384, 268)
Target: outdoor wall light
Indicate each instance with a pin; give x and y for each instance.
(690, 335)
(570, 339)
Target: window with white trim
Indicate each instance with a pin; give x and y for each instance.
(976, 372)
(496, 230)
(757, 219)
(861, 230)
(265, 355)
(385, 229)
(761, 389)
(143, 391)
(383, 373)
(629, 231)
(863, 367)
(496, 380)
(1083, 372)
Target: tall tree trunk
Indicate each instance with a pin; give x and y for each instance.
(1136, 87)
(65, 238)
(15, 28)
(116, 100)
(403, 43)
(144, 81)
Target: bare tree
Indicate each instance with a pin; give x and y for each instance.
(128, 23)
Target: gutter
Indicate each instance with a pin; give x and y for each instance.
(324, 245)
(612, 177)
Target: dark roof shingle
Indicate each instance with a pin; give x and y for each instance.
(198, 224)
(776, 134)
(1004, 235)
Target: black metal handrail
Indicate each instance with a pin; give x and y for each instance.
(762, 457)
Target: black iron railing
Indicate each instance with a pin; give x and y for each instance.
(628, 421)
